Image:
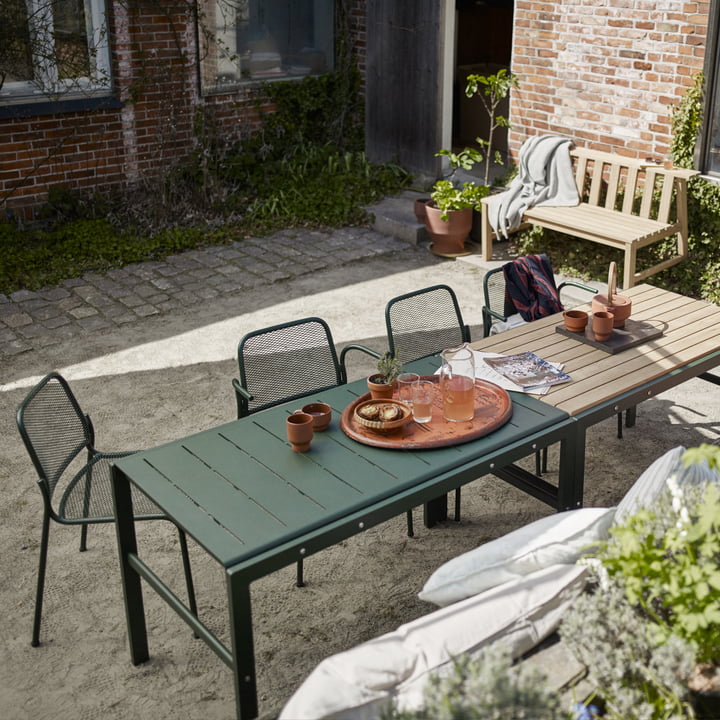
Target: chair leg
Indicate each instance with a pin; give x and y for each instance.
(538, 463)
(457, 505)
(83, 537)
(411, 532)
(544, 459)
(188, 572)
(619, 425)
(41, 580)
(299, 582)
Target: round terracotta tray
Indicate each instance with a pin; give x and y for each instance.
(493, 408)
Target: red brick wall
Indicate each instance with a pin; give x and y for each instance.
(605, 74)
(155, 71)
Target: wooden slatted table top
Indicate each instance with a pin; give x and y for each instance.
(691, 330)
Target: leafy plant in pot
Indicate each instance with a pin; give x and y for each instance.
(449, 213)
(382, 383)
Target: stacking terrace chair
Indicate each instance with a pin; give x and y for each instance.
(286, 362)
(423, 323)
(541, 294)
(61, 442)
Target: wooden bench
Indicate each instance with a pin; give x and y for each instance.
(626, 203)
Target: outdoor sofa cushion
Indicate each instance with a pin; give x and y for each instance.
(358, 683)
(650, 485)
(557, 538)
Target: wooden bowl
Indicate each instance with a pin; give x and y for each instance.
(383, 426)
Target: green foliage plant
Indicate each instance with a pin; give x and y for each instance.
(389, 366)
(655, 614)
(487, 687)
(447, 195)
(492, 90)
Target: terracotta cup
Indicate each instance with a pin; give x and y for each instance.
(299, 431)
(575, 320)
(321, 415)
(602, 325)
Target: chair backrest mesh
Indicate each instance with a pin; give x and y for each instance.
(496, 297)
(288, 361)
(53, 428)
(424, 322)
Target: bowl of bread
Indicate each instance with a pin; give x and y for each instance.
(382, 415)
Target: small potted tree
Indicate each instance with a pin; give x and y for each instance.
(449, 213)
(382, 382)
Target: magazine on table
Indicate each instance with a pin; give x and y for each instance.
(527, 370)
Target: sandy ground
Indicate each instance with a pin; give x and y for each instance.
(170, 377)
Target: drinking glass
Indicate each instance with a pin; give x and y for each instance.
(405, 383)
(423, 393)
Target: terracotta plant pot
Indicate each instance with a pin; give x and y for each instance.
(380, 390)
(602, 325)
(419, 207)
(448, 236)
(575, 320)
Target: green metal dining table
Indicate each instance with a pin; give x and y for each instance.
(255, 506)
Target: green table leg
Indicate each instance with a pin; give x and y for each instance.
(571, 474)
(242, 646)
(132, 586)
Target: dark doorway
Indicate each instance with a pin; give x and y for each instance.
(484, 30)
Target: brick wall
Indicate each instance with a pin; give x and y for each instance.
(155, 72)
(605, 74)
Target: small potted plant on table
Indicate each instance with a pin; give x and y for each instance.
(382, 382)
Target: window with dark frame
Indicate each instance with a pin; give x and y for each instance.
(244, 41)
(708, 152)
(53, 50)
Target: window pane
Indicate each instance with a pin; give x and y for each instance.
(15, 55)
(52, 49)
(70, 35)
(251, 40)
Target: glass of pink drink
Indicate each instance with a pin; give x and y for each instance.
(423, 393)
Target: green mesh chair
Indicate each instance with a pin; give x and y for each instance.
(60, 440)
(423, 323)
(287, 362)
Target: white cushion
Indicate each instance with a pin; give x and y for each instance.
(358, 683)
(653, 481)
(558, 538)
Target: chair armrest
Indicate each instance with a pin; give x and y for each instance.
(347, 349)
(243, 397)
(573, 283)
(361, 348)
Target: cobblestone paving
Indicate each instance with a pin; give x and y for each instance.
(103, 301)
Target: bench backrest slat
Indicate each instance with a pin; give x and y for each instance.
(604, 178)
(629, 198)
(612, 187)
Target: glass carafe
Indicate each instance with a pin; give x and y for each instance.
(457, 383)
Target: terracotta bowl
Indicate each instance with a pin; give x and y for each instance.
(575, 320)
(378, 425)
(321, 415)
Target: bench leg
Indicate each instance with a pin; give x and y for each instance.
(487, 234)
(629, 269)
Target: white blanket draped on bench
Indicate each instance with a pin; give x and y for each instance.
(545, 177)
